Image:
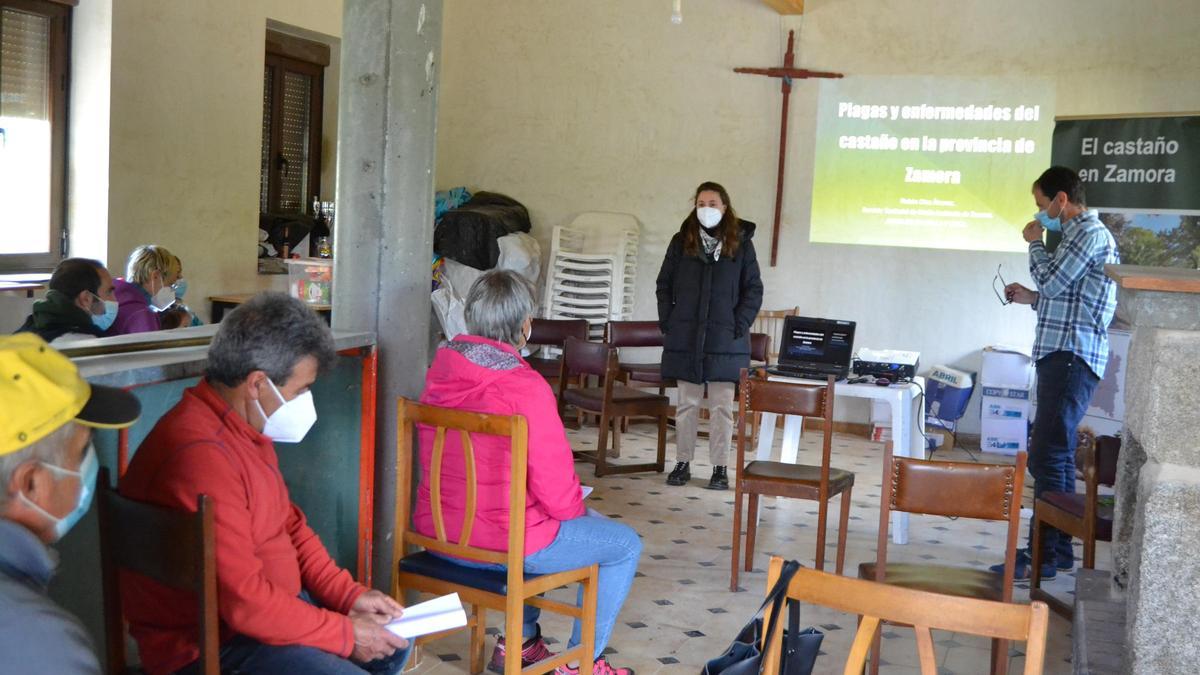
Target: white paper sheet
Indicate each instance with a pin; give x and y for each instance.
(432, 616)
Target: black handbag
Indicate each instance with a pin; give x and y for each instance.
(744, 656)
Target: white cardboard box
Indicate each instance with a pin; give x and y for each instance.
(1007, 437)
(1006, 367)
(1004, 404)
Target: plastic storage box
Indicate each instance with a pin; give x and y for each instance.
(311, 280)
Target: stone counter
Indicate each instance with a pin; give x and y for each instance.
(1156, 537)
(169, 363)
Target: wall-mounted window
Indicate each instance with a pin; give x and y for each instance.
(34, 63)
(293, 84)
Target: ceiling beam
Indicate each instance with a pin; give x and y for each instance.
(786, 6)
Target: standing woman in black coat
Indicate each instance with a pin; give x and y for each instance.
(709, 291)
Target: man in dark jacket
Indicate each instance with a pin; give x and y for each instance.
(80, 303)
(709, 291)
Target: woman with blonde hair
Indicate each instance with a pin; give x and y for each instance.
(153, 283)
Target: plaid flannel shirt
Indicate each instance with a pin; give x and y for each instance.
(1076, 299)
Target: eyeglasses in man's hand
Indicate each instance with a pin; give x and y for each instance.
(1001, 293)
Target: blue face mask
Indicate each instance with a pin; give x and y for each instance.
(180, 288)
(1051, 224)
(88, 469)
(103, 321)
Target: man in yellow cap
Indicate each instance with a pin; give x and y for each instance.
(48, 473)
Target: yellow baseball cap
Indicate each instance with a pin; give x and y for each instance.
(41, 390)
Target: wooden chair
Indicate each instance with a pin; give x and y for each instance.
(612, 401)
(622, 334)
(633, 334)
(760, 349)
(877, 603)
(552, 333)
(760, 357)
(780, 479)
(770, 323)
(1080, 515)
(507, 591)
(956, 489)
(174, 548)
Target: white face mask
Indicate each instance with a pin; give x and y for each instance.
(708, 216)
(164, 298)
(291, 422)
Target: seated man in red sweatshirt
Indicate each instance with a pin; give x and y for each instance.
(284, 604)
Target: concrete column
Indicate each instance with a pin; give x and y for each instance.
(1157, 528)
(384, 231)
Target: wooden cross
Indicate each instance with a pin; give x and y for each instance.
(786, 74)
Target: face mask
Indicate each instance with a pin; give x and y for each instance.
(164, 298)
(103, 321)
(1051, 224)
(86, 474)
(292, 420)
(180, 288)
(708, 216)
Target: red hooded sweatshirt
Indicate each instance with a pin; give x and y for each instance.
(266, 552)
(481, 375)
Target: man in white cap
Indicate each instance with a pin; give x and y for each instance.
(48, 471)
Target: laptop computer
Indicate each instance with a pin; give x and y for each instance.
(813, 348)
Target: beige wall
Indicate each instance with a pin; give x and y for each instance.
(573, 105)
(186, 110)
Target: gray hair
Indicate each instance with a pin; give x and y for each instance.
(272, 333)
(498, 304)
(50, 449)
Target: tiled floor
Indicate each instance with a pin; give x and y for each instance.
(680, 612)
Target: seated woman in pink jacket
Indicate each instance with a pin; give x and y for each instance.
(484, 372)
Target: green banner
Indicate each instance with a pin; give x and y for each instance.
(1134, 163)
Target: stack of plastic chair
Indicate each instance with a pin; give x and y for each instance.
(591, 270)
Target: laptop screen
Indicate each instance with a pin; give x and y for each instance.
(817, 344)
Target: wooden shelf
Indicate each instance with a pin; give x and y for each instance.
(1169, 279)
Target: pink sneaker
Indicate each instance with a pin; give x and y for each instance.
(601, 667)
(533, 650)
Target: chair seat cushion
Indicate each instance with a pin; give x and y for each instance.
(1073, 503)
(783, 472)
(961, 581)
(592, 398)
(428, 565)
(546, 367)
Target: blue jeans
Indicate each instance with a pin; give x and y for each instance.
(581, 542)
(242, 655)
(1064, 390)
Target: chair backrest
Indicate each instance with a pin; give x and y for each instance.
(876, 602)
(760, 348)
(446, 421)
(173, 547)
(581, 357)
(759, 394)
(958, 489)
(1108, 451)
(770, 322)
(554, 332)
(633, 334)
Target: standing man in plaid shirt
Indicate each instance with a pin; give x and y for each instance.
(1075, 301)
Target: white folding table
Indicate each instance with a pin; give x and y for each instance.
(908, 424)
